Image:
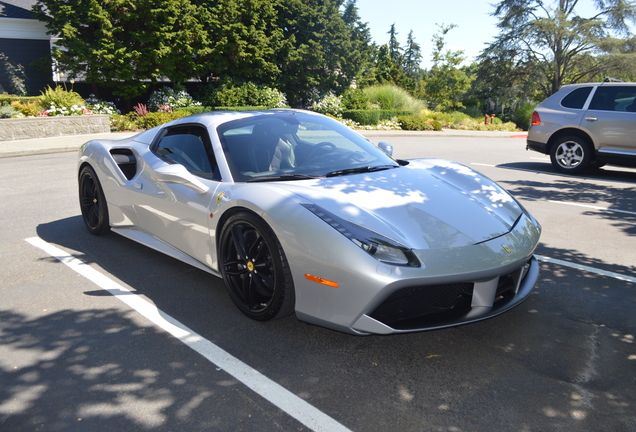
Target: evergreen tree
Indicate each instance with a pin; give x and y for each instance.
(123, 44)
(242, 40)
(317, 54)
(412, 58)
(395, 51)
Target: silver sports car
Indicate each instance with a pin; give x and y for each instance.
(300, 214)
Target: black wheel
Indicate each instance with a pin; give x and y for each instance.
(93, 202)
(254, 268)
(571, 154)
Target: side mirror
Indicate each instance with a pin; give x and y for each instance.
(386, 148)
(178, 174)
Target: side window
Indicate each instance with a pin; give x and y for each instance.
(577, 98)
(190, 147)
(614, 98)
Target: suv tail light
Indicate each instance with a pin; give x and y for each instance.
(536, 120)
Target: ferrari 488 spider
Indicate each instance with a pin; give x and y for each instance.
(300, 214)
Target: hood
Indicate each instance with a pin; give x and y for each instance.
(428, 204)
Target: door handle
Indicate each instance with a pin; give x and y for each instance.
(591, 119)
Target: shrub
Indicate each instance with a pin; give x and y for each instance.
(330, 104)
(195, 109)
(155, 119)
(176, 97)
(98, 106)
(119, 123)
(522, 115)
(239, 108)
(473, 111)
(6, 99)
(354, 99)
(61, 98)
(391, 97)
(435, 124)
(141, 110)
(29, 109)
(230, 93)
(7, 111)
(413, 123)
(373, 117)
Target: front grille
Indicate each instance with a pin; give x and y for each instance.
(408, 307)
(428, 306)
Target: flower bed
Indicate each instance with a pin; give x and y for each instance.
(46, 127)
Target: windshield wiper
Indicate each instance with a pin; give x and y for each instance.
(359, 170)
(284, 177)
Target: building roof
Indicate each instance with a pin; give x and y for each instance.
(17, 9)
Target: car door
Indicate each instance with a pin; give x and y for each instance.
(611, 119)
(175, 190)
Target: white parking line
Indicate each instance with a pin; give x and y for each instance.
(296, 407)
(586, 268)
(480, 164)
(578, 205)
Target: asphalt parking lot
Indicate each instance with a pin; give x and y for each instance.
(102, 334)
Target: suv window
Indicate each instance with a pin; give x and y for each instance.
(614, 98)
(190, 147)
(577, 98)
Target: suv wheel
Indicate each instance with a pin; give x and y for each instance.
(571, 154)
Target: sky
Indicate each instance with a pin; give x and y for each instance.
(475, 26)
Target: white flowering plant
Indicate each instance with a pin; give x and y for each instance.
(168, 98)
(73, 110)
(330, 104)
(98, 106)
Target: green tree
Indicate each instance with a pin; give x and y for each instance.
(550, 44)
(123, 44)
(395, 51)
(319, 53)
(363, 53)
(446, 82)
(242, 40)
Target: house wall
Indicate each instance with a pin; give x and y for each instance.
(24, 41)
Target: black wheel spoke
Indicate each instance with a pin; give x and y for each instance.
(247, 293)
(263, 284)
(235, 267)
(238, 237)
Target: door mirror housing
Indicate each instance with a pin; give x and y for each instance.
(386, 148)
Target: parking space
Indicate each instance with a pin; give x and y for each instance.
(76, 357)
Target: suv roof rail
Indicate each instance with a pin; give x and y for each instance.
(610, 79)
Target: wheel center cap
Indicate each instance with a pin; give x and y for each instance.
(95, 200)
(250, 266)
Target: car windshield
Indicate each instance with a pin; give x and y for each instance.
(295, 146)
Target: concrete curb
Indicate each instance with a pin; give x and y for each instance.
(72, 143)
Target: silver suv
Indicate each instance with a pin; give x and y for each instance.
(586, 125)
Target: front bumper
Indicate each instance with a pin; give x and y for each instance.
(440, 306)
(454, 286)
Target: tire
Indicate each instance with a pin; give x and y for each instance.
(93, 202)
(571, 154)
(254, 268)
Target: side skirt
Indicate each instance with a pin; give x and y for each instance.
(165, 248)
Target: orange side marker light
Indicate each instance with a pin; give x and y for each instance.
(321, 281)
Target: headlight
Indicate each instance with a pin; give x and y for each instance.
(379, 247)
